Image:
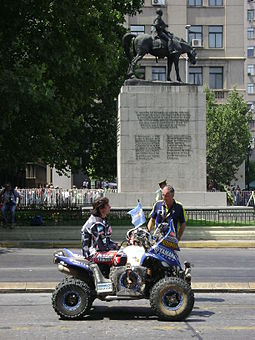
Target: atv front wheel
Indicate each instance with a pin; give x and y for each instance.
(172, 299)
(72, 299)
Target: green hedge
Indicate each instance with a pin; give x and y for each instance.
(77, 216)
(66, 216)
(50, 216)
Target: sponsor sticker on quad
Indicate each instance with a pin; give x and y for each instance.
(104, 287)
(164, 252)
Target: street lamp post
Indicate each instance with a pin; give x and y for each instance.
(187, 27)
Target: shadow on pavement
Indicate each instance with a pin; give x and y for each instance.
(137, 313)
(120, 313)
(209, 299)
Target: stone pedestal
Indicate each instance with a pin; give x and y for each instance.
(161, 135)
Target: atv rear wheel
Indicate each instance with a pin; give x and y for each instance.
(172, 299)
(72, 299)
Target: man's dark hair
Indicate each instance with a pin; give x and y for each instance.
(169, 188)
(98, 204)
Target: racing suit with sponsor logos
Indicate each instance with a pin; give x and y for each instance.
(96, 236)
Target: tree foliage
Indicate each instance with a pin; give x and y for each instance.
(61, 68)
(228, 137)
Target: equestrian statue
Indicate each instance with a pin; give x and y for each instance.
(160, 44)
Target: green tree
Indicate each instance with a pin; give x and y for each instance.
(61, 68)
(228, 137)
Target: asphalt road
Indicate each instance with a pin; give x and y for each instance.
(209, 265)
(215, 316)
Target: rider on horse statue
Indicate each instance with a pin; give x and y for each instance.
(162, 33)
(160, 44)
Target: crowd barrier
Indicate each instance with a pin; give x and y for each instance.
(84, 197)
(60, 197)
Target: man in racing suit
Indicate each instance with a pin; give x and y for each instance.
(96, 232)
(167, 209)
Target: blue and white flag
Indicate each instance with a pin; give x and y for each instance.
(137, 215)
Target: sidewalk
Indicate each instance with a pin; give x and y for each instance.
(205, 287)
(69, 236)
(76, 244)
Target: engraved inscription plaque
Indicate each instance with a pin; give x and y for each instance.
(178, 146)
(162, 120)
(147, 147)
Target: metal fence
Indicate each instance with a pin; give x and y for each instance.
(233, 215)
(60, 197)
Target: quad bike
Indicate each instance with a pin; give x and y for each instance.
(146, 268)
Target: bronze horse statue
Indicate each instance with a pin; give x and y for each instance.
(146, 43)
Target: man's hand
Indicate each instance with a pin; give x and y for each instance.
(151, 224)
(181, 231)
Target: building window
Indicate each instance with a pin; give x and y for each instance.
(250, 14)
(250, 88)
(159, 73)
(195, 75)
(250, 33)
(250, 51)
(195, 32)
(251, 70)
(140, 72)
(215, 2)
(195, 3)
(215, 36)
(30, 171)
(137, 29)
(216, 77)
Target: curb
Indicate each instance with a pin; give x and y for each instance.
(183, 244)
(197, 287)
(218, 244)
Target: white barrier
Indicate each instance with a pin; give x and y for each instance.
(60, 197)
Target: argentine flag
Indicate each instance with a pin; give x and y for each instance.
(137, 215)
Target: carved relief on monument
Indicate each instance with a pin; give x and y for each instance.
(162, 120)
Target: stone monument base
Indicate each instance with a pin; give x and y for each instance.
(194, 199)
(161, 134)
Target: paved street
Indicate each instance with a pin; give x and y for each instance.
(209, 265)
(215, 316)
